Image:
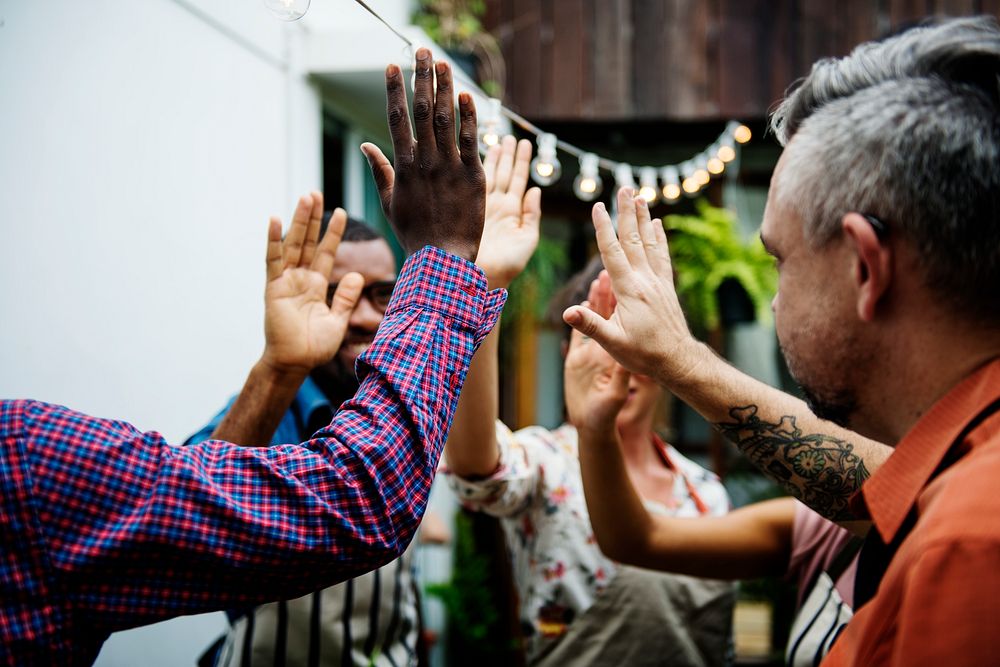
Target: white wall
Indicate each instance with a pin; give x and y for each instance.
(142, 147)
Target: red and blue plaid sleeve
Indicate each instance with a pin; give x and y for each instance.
(106, 527)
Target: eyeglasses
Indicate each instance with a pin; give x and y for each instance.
(881, 230)
(378, 293)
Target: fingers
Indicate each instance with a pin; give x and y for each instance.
(607, 242)
(505, 165)
(468, 141)
(296, 236)
(522, 167)
(531, 208)
(275, 265)
(659, 254)
(590, 324)
(382, 172)
(327, 249)
(603, 297)
(444, 112)
(628, 228)
(490, 166)
(576, 337)
(347, 295)
(423, 108)
(312, 233)
(619, 380)
(398, 115)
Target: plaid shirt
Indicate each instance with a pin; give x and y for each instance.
(105, 528)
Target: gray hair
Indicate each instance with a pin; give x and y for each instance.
(907, 130)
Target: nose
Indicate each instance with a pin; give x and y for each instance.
(365, 316)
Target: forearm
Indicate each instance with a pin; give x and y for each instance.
(622, 524)
(262, 402)
(183, 530)
(471, 451)
(818, 462)
(751, 542)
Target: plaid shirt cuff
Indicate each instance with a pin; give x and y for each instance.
(433, 279)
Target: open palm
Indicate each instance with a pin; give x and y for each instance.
(510, 233)
(301, 330)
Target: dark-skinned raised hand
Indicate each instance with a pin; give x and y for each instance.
(434, 192)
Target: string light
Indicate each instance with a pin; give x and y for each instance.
(546, 168)
(647, 185)
(671, 184)
(588, 184)
(727, 151)
(624, 176)
(687, 178)
(489, 133)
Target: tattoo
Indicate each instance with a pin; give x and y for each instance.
(820, 470)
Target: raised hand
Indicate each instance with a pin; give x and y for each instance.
(434, 192)
(510, 234)
(595, 385)
(647, 332)
(301, 330)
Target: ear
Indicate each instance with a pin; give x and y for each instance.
(873, 264)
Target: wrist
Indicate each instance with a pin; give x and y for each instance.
(684, 366)
(279, 375)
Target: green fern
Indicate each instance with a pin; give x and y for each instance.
(706, 250)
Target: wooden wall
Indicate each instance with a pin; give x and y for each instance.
(609, 60)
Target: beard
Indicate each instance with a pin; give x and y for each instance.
(836, 407)
(828, 386)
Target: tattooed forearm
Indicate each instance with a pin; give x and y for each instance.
(820, 470)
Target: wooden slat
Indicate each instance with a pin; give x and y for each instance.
(612, 60)
(569, 59)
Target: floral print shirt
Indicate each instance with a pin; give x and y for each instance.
(537, 492)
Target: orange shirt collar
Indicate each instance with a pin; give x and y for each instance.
(890, 493)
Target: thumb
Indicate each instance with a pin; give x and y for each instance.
(382, 172)
(347, 295)
(589, 324)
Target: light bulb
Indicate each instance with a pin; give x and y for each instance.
(546, 168)
(647, 185)
(488, 135)
(671, 184)
(690, 184)
(727, 153)
(624, 177)
(701, 175)
(715, 165)
(742, 134)
(588, 184)
(288, 10)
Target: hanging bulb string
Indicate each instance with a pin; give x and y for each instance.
(720, 152)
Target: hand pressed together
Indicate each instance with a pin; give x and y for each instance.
(647, 332)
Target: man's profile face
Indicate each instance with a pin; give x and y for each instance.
(375, 262)
(814, 312)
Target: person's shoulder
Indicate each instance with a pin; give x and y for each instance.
(959, 503)
(561, 440)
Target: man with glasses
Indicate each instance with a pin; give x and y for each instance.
(372, 618)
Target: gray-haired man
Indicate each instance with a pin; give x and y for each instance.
(883, 217)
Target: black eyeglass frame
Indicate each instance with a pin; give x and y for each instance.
(368, 292)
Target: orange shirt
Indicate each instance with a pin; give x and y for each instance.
(939, 601)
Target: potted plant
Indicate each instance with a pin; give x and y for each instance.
(457, 25)
(721, 278)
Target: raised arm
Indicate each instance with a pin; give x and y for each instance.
(817, 461)
(510, 236)
(133, 530)
(300, 330)
(750, 542)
